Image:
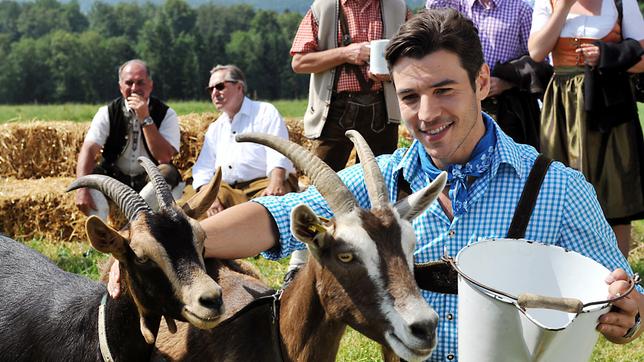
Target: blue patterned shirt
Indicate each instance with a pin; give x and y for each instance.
(566, 214)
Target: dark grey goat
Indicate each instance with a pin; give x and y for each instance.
(47, 314)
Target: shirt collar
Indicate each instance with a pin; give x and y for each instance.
(507, 152)
(244, 110)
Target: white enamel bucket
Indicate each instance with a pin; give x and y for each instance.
(526, 301)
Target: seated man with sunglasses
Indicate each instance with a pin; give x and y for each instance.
(248, 169)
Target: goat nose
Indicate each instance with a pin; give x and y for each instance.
(423, 329)
(211, 300)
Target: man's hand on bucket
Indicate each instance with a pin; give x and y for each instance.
(615, 324)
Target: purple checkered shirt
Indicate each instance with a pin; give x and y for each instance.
(503, 28)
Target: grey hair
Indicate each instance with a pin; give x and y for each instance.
(132, 61)
(234, 74)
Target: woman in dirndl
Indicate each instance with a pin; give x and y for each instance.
(589, 118)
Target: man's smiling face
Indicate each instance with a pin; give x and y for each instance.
(439, 105)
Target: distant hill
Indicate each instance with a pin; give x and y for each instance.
(300, 6)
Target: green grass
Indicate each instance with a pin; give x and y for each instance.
(79, 258)
(85, 112)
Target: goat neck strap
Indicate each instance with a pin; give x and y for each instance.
(102, 333)
(267, 304)
(276, 324)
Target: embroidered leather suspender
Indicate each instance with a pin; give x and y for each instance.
(438, 276)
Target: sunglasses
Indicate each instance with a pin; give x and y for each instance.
(219, 86)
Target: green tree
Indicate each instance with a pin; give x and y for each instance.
(102, 19)
(25, 77)
(9, 13)
(75, 20)
(68, 66)
(168, 45)
(262, 52)
(44, 16)
(293, 85)
(213, 29)
(122, 19)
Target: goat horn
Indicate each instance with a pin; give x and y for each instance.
(376, 187)
(330, 186)
(161, 187)
(130, 202)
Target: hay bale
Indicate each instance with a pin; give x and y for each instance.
(40, 208)
(296, 134)
(32, 150)
(193, 128)
(40, 149)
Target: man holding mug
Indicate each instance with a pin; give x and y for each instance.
(332, 44)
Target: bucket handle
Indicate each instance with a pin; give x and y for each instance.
(529, 300)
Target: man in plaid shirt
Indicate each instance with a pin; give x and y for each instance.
(437, 64)
(332, 44)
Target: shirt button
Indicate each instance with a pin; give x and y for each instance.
(450, 316)
(234, 132)
(230, 167)
(450, 356)
(451, 233)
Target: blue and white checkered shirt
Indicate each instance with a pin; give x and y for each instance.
(566, 214)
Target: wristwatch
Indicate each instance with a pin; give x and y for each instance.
(147, 121)
(636, 327)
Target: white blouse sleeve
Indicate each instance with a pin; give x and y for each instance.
(540, 15)
(632, 23)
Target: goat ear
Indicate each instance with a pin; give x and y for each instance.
(307, 227)
(199, 203)
(413, 205)
(104, 238)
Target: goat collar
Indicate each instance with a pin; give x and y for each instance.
(102, 332)
(269, 304)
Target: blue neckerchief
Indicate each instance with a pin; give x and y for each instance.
(457, 174)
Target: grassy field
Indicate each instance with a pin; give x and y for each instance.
(82, 259)
(85, 112)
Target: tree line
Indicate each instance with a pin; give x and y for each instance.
(51, 52)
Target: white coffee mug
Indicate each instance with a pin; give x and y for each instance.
(377, 62)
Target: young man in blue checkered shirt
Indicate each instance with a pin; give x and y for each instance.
(437, 66)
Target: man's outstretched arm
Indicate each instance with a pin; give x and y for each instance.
(240, 231)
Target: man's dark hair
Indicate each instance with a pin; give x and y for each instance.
(439, 29)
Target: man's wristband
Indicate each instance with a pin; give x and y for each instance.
(636, 327)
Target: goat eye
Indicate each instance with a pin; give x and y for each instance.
(142, 259)
(345, 257)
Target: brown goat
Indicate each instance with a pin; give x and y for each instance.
(360, 275)
(47, 314)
